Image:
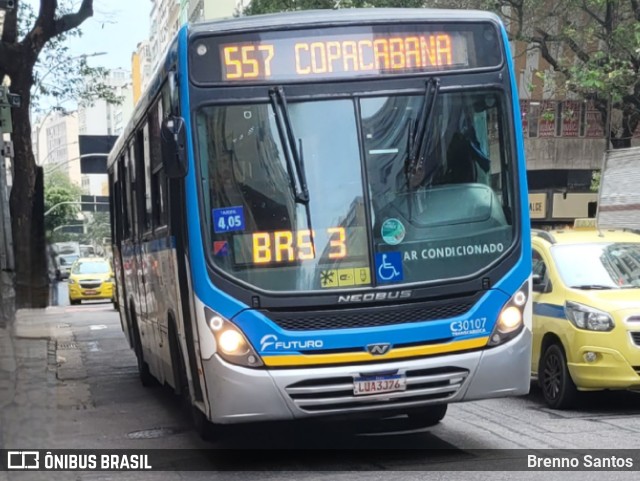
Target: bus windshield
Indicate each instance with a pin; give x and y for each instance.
(429, 200)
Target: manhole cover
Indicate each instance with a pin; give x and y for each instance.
(154, 433)
(67, 345)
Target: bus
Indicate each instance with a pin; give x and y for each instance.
(324, 214)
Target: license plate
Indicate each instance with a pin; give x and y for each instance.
(90, 292)
(365, 386)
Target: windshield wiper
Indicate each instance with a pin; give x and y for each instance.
(293, 154)
(418, 145)
(292, 149)
(588, 287)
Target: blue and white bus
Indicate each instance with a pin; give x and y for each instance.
(325, 213)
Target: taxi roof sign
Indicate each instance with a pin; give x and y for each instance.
(584, 224)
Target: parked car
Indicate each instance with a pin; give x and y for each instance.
(586, 312)
(91, 278)
(63, 265)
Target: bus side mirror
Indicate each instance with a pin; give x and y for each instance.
(174, 148)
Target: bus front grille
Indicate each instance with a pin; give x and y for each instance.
(334, 395)
(371, 317)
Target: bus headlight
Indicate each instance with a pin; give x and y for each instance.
(232, 345)
(511, 318)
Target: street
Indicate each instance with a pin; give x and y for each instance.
(85, 393)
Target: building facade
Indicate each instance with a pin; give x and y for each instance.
(165, 20)
(56, 147)
(195, 10)
(564, 142)
(103, 118)
(141, 69)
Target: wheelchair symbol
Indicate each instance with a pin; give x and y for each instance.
(386, 270)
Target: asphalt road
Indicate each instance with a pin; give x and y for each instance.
(97, 401)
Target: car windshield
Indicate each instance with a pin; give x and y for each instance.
(450, 218)
(598, 265)
(68, 260)
(90, 268)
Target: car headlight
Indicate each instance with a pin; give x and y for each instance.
(112, 280)
(588, 318)
(231, 343)
(71, 281)
(511, 318)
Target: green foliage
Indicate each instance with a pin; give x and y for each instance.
(272, 6)
(595, 181)
(98, 228)
(59, 76)
(592, 45)
(57, 189)
(594, 48)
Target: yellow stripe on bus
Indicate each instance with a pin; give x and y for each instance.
(353, 357)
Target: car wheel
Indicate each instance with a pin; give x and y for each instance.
(74, 302)
(558, 388)
(428, 416)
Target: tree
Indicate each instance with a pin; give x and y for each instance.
(98, 228)
(27, 39)
(272, 6)
(57, 190)
(593, 46)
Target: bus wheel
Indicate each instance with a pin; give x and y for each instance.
(205, 429)
(146, 378)
(428, 416)
(558, 388)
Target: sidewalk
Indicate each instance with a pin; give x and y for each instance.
(29, 387)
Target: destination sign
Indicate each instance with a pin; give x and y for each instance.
(344, 52)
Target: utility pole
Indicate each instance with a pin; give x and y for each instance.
(7, 265)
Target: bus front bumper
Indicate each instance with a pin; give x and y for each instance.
(247, 395)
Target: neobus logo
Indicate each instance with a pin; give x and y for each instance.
(271, 341)
(375, 296)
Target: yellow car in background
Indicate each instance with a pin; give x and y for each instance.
(586, 312)
(91, 278)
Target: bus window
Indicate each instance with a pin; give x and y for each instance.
(441, 202)
(147, 178)
(271, 240)
(158, 180)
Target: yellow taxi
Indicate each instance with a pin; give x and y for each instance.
(586, 312)
(91, 278)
